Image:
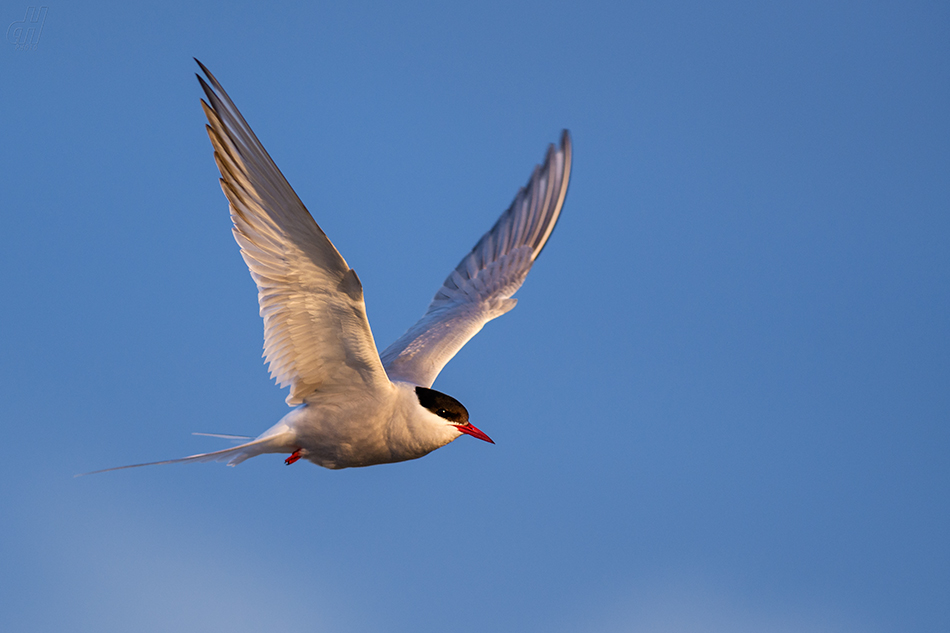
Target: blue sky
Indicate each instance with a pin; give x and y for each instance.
(721, 404)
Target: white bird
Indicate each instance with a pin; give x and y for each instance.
(352, 405)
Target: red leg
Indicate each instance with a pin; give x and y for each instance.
(293, 457)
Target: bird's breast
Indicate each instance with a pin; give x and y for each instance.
(373, 431)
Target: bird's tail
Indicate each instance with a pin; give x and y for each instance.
(225, 436)
(267, 443)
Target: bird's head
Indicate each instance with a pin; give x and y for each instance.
(450, 410)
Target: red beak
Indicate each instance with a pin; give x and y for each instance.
(469, 429)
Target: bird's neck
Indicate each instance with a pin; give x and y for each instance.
(415, 430)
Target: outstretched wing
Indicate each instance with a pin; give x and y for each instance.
(480, 287)
(316, 334)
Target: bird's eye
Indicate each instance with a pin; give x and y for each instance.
(442, 413)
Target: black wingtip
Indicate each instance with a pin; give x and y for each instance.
(565, 138)
(209, 93)
(208, 74)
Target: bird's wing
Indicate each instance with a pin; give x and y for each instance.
(480, 287)
(316, 334)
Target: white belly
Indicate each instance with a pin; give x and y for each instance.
(345, 433)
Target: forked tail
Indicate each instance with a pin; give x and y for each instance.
(276, 443)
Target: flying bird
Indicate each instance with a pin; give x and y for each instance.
(352, 405)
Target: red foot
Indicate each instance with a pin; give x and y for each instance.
(293, 457)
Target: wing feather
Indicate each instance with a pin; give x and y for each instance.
(481, 286)
(316, 334)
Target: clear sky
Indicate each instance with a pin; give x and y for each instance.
(721, 404)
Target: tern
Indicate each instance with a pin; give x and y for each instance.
(352, 405)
